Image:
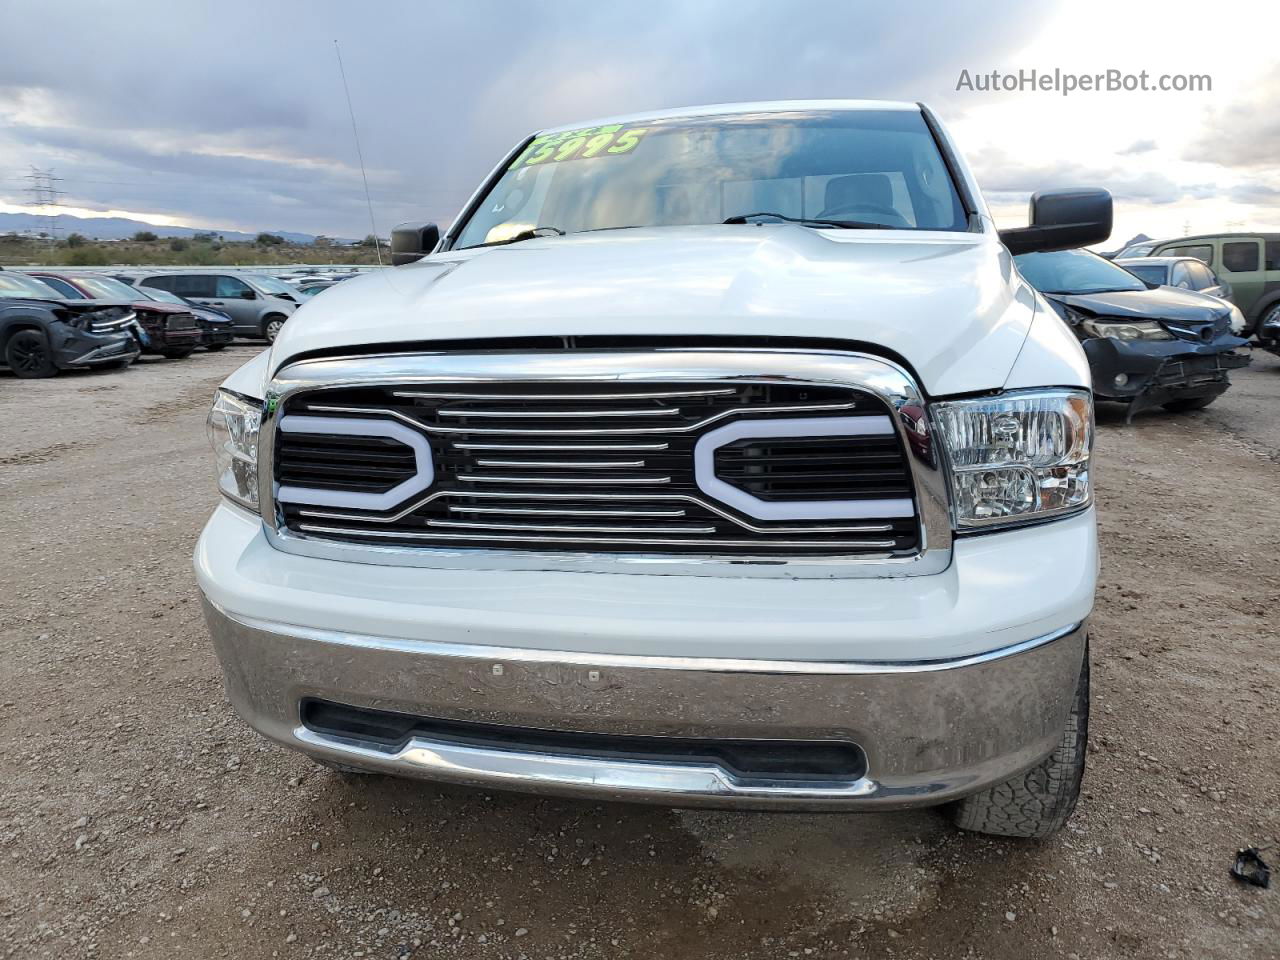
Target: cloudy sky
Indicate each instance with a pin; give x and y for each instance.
(231, 114)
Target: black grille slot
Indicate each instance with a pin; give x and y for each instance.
(364, 464)
(816, 468)
(587, 467)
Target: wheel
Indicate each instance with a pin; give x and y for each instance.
(178, 354)
(1038, 802)
(28, 355)
(215, 347)
(271, 326)
(1188, 404)
(1269, 319)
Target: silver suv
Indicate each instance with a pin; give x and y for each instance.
(259, 305)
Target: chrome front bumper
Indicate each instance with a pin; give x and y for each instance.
(931, 731)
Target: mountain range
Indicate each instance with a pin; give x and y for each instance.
(122, 228)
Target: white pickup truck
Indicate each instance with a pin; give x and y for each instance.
(716, 456)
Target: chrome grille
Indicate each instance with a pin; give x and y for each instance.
(585, 467)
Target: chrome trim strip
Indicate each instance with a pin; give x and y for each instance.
(659, 395)
(654, 541)
(539, 495)
(435, 648)
(544, 512)
(569, 431)
(557, 414)
(563, 464)
(477, 478)
(562, 528)
(875, 375)
(567, 447)
(530, 770)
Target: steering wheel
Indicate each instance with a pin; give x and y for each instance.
(856, 211)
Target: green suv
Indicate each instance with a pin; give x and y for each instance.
(1249, 262)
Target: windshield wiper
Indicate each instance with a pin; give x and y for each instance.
(813, 221)
(522, 235)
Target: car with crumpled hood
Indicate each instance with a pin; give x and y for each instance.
(1148, 345)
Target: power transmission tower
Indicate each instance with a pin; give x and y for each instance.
(45, 193)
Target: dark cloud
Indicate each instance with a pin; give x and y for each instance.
(234, 113)
(1245, 133)
(1139, 146)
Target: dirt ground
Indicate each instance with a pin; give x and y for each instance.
(140, 818)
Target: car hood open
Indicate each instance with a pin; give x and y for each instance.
(949, 304)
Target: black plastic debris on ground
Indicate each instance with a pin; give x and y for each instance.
(1251, 868)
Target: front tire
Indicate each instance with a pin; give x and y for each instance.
(271, 326)
(1188, 404)
(28, 355)
(177, 354)
(1269, 319)
(1038, 802)
(215, 347)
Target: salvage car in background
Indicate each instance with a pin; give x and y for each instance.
(1250, 262)
(42, 333)
(1146, 346)
(162, 328)
(1185, 273)
(215, 326)
(258, 304)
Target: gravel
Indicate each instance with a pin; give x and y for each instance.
(140, 818)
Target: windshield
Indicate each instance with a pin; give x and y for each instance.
(880, 167)
(164, 296)
(1136, 250)
(1074, 271)
(108, 288)
(1150, 272)
(269, 285)
(18, 285)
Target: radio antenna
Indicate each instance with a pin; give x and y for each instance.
(355, 135)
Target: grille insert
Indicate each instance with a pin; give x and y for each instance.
(583, 467)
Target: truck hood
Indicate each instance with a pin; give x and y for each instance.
(950, 304)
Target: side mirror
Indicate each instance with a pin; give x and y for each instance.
(248, 295)
(1062, 220)
(413, 241)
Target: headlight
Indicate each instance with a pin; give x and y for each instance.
(1136, 330)
(1017, 458)
(1237, 320)
(233, 431)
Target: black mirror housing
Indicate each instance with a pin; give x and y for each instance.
(1062, 220)
(413, 241)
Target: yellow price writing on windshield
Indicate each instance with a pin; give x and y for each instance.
(608, 140)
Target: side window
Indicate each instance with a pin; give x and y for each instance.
(1180, 277)
(230, 287)
(192, 285)
(1240, 256)
(1201, 251)
(1201, 276)
(160, 283)
(1273, 254)
(64, 288)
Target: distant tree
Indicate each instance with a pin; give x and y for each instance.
(369, 241)
(145, 236)
(269, 240)
(178, 244)
(323, 241)
(204, 237)
(76, 240)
